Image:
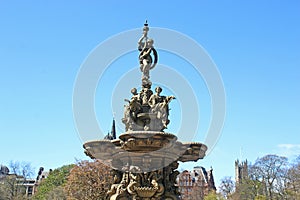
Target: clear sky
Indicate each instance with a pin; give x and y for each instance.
(255, 45)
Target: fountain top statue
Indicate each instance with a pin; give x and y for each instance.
(147, 111)
(148, 56)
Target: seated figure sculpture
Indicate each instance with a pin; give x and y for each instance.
(160, 107)
(147, 111)
(131, 110)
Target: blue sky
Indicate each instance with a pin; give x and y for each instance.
(255, 45)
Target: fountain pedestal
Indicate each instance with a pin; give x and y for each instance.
(144, 163)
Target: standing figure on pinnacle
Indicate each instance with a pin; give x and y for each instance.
(145, 46)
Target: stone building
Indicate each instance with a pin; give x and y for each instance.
(196, 184)
(29, 186)
(241, 171)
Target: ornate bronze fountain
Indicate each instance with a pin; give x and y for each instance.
(145, 158)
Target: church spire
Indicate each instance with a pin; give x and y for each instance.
(113, 130)
(112, 135)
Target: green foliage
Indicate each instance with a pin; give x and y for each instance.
(53, 184)
(260, 197)
(56, 194)
(213, 196)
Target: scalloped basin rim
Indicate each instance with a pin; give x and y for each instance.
(98, 142)
(194, 144)
(146, 134)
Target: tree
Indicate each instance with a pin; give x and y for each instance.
(226, 187)
(213, 196)
(88, 181)
(271, 171)
(266, 179)
(12, 187)
(248, 189)
(293, 180)
(56, 194)
(260, 197)
(51, 188)
(270, 177)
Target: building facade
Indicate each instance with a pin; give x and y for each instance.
(196, 184)
(21, 184)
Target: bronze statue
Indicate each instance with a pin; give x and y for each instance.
(145, 46)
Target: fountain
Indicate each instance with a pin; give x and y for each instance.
(144, 159)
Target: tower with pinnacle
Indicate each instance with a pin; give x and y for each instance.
(241, 171)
